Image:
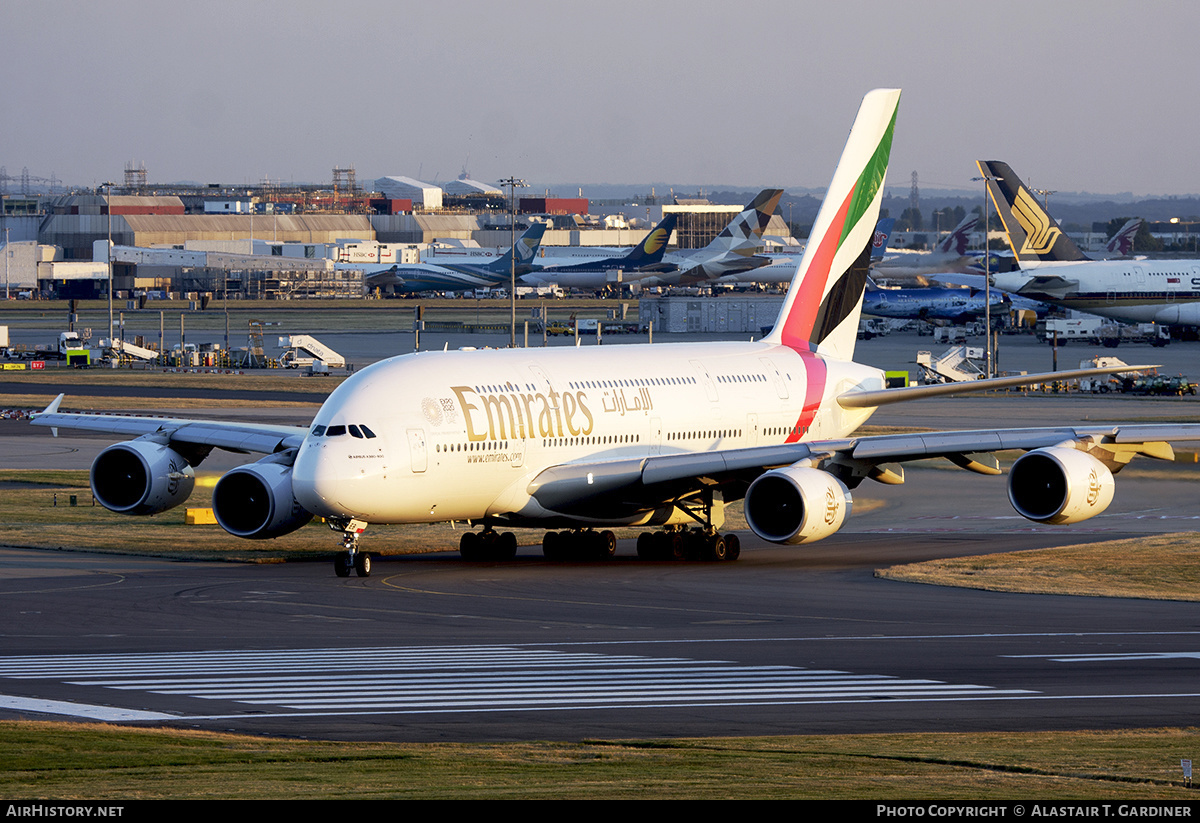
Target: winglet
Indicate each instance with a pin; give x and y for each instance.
(51, 409)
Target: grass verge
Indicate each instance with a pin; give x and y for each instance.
(1157, 567)
(90, 761)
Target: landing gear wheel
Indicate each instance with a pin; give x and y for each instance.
(733, 547)
(607, 545)
(506, 546)
(362, 565)
(715, 548)
(551, 546)
(469, 546)
(342, 564)
(645, 546)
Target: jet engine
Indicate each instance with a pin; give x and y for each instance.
(797, 504)
(141, 477)
(1059, 485)
(1181, 314)
(256, 501)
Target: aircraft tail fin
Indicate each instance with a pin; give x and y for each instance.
(525, 249)
(650, 251)
(744, 232)
(883, 236)
(823, 304)
(1033, 234)
(1122, 242)
(958, 240)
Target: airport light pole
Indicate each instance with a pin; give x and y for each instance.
(512, 183)
(987, 267)
(1045, 193)
(108, 254)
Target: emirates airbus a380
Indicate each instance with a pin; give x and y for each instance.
(580, 440)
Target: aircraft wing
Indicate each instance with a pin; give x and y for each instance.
(260, 438)
(1049, 284)
(578, 487)
(882, 397)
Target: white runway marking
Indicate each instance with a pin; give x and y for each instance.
(463, 679)
(60, 707)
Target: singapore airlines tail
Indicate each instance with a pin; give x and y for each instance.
(1032, 233)
(820, 313)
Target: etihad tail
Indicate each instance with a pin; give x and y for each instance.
(526, 248)
(734, 249)
(821, 311)
(1033, 234)
(744, 233)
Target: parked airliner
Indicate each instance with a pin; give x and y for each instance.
(452, 275)
(1054, 270)
(585, 439)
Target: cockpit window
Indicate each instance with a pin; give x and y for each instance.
(318, 431)
(335, 431)
(367, 431)
(354, 432)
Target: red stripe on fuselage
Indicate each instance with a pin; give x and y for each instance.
(815, 373)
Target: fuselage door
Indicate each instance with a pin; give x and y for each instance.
(418, 452)
(776, 378)
(710, 386)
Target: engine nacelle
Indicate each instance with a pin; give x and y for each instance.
(797, 504)
(141, 477)
(256, 501)
(1181, 314)
(1059, 485)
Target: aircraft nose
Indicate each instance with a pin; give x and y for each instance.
(315, 482)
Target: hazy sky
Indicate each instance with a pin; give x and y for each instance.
(1074, 95)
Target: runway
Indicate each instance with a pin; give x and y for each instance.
(787, 640)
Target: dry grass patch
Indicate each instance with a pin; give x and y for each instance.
(1156, 567)
(91, 761)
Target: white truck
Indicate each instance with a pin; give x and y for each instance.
(306, 351)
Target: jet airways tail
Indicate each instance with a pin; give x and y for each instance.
(821, 311)
(526, 248)
(650, 251)
(1032, 233)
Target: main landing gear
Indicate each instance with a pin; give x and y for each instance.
(581, 544)
(351, 559)
(688, 544)
(487, 545)
(681, 543)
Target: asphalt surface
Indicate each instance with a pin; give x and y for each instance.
(785, 640)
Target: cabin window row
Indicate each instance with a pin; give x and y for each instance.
(704, 435)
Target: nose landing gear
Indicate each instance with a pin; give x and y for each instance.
(350, 559)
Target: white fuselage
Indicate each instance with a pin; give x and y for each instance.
(1135, 291)
(459, 435)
